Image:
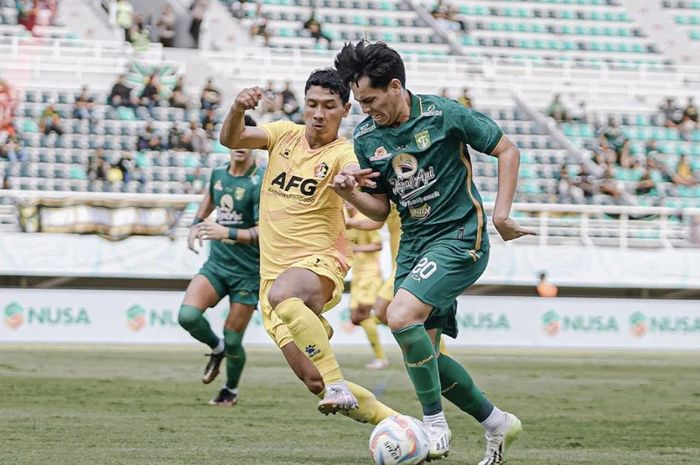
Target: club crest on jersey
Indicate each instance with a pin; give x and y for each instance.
(285, 153)
(240, 192)
(218, 186)
(405, 165)
(321, 170)
(423, 139)
(380, 154)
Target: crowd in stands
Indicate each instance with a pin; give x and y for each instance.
(142, 29)
(31, 13)
(612, 151)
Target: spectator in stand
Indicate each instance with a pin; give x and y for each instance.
(209, 122)
(6, 184)
(26, 13)
(140, 34)
(185, 141)
(544, 287)
(684, 173)
(144, 136)
(44, 12)
(198, 9)
(313, 25)
(445, 93)
(689, 120)
(581, 113)
(585, 181)
(200, 141)
(259, 25)
(123, 17)
(272, 100)
(556, 110)
(211, 96)
(166, 26)
(646, 184)
(465, 99)
(178, 98)
(120, 95)
(83, 105)
(174, 135)
(670, 113)
(11, 148)
(8, 103)
(612, 133)
(150, 94)
(126, 166)
(609, 186)
(290, 104)
(97, 166)
(50, 121)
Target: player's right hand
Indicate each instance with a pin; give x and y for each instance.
(192, 236)
(247, 99)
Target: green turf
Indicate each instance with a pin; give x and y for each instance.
(129, 406)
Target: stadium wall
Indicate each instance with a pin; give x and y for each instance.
(150, 317)
(73, 255)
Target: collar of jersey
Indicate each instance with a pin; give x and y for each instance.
(416, 105)
(305, 144)
(248, 173)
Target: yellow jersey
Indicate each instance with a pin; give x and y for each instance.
(365, 264)
(300, 216)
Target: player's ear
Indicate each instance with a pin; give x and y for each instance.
(395, 86)
(347, 108)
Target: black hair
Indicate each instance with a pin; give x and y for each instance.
(379, 62)
(328, 78)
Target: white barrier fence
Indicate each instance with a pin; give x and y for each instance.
(150, 317)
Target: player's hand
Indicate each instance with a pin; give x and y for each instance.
(247, 99)
(192, 236)
(509, 229)
(347, 180)
(210, 231)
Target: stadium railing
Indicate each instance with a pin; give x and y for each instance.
(555, 224)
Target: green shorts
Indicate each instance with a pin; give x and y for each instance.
(240, 288)
(437, 274)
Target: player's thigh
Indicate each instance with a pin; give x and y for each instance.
(273, 324)
(316, 280)
(201, 293)
(406, 309)
(239, 316)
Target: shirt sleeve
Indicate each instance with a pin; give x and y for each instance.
(348, 158)
(275, 130)
(475, 129)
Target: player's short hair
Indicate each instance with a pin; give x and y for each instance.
(328, 78)
(379, 62)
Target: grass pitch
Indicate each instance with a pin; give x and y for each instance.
(135, 405)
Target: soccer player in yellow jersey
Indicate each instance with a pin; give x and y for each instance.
(304, 251)
(366, 279)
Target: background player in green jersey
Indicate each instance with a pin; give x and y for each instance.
(233, 268)
(413, 151)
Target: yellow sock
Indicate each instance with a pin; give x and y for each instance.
(370, 328)
(369, 410)
(376, 319)
(443, 347)
(310, 336)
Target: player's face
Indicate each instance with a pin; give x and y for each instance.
(381, 104)
(238, 156)
(323, 113)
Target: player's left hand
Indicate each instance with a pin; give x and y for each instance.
(509, 229)
(348, 179)
(210, 231)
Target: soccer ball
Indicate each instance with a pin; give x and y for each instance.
(399, 439)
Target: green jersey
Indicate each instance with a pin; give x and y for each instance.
(426, 169)
(236, 199)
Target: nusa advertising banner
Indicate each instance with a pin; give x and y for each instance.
(150, 317)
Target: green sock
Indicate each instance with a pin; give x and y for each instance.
(460, 389)
(235, 357)
(422, 367)
(192, 319)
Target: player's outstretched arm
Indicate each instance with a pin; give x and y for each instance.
(347, 183)
(234, 133)
(362, 223)
(205, 208)
(508, 164)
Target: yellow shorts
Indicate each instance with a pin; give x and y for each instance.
(322, 265)
(386, 292)
(363, 290)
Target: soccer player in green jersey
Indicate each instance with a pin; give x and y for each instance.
(233, 268)
(412, 150)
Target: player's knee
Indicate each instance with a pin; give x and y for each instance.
(397, 318)
(188, 316)
(233, 344)
(279, 294)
